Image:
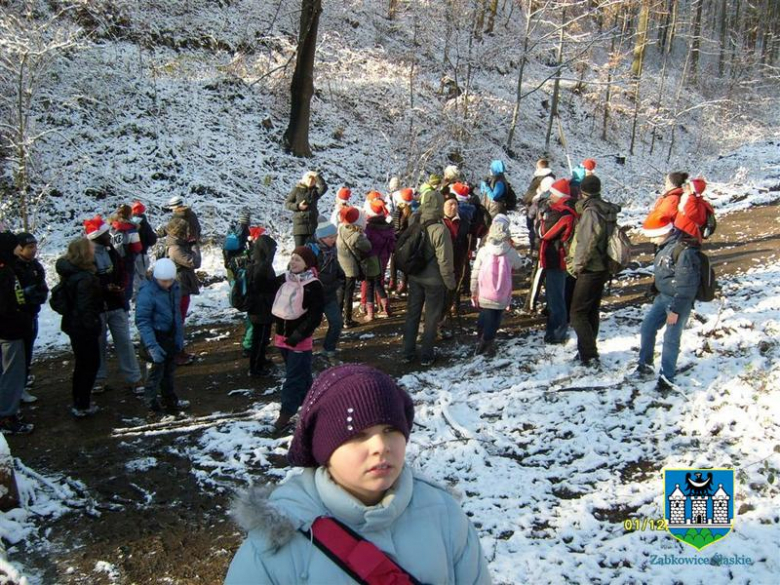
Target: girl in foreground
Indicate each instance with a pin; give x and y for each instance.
(355, 512)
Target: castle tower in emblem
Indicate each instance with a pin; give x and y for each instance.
(720, 506)
(677, 506)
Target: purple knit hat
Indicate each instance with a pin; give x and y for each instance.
(342, 402)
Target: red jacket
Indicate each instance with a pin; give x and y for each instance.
(667, 204)
(692, 214)
(555, 230)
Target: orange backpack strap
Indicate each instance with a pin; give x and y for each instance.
(356, 556)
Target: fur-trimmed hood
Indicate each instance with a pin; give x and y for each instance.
(417, 524)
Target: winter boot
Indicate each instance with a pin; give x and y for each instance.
(385, 307)
(369, 312)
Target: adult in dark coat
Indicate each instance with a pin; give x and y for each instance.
(32, 277)
(82, 321)
(261, 291)
(302, 201)
(15, 325)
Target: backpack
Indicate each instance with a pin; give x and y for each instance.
(618, 249)
(710, 225)
(495, 279)
(707, 281)
(59, 300)
(233, 239)
(288, 304)
(510, 199)
(239, 299)
(411, 254)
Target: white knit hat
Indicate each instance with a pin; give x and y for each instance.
(164, 269)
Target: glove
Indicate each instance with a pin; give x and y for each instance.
(158, 354)
(483, 187)
(293, 340)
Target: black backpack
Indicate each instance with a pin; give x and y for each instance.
(707, 282)
(510, 199)
(411, 251)
(59, 300)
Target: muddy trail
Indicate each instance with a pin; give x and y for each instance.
(152, 519)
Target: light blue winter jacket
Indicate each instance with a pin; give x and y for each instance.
(157, 309)
(418, 524)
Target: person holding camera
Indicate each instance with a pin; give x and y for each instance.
(302, 201)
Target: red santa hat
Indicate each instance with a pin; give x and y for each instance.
(255, 232)
(406, 195)
(461, 191)
(138, 208)
(560, 188)
(378, 207)
(698, 185)
(95, 227)
(344, 194)
(349, 215)
(373, 195)
(656, 224)
(589, 164)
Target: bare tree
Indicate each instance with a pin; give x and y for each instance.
(296, 137)
(28, 49)
(696, 39)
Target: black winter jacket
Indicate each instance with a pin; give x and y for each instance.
(329, 271)
(261, 280)
(305, 221)
(85, 299)
(15, 321)
(32, 277)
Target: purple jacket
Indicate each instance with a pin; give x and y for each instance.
(382, 237)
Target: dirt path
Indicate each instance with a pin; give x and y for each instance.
(159, 523)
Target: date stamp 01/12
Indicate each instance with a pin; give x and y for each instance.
(643, 524)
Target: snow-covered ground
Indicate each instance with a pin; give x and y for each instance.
(549, 475)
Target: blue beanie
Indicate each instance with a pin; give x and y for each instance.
(325, 229)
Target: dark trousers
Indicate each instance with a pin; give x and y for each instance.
(29, 342)
(530, 224)
(433, 297)
(300, 240)
(557, 313)
(261, 336)
(585, 305)
(86, 357)
(332, 311)
(488, 323)
(297, 379)
(349, 293)
(375, 287)
(161, 374)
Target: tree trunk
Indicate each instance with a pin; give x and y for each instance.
(641, 39)
(723, 39)
(392, 9)
(610, 70)
(557, 85)
(696, 39)
(658, 103)
(672, 27)
(296, 137)
(493, 8)
(519, 93)
(663, 27)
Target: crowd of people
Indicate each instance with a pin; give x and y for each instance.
(436, 244)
